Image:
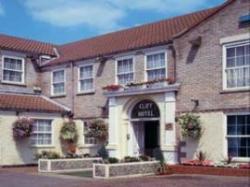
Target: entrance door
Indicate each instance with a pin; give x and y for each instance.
(151, 138)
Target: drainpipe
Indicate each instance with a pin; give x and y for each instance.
(174, 58)
(73, 87)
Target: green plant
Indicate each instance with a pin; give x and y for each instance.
(158, 155)
(201, 156)
(22, 128)
(47, 155)
(69, 132)
(131, 159)
(98, 129)
(190, 125)
(102, 152)
(112, 160)
(144, 158)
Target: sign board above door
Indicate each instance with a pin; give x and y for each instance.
(145, 109)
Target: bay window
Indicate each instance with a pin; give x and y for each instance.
(58, 82)
(237, 66)
(125, 71)
(86, 78)
(41, 132)
(156, 66)
(13, 70)
(238, 136)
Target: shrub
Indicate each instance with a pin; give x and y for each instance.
(102, 152)
(48, 155)
(144, 158)
(158, 155)
(131, 159)
(112, 160)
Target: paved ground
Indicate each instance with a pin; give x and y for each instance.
(30, 178)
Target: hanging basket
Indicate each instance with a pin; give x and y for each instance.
(22, 128)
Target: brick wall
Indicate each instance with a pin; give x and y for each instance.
(200, 75)
(91, 105)
(31, 74)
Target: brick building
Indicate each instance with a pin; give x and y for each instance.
(197, 63)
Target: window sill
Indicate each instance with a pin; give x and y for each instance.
(58, 96)
(42, 146)
(88, 146)
(240, 90)
(14, 83)
(90, 92)
(241, 159)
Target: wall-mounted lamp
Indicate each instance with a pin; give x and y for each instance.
(196, 102)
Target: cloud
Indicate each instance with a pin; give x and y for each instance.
(65, 13)
(104, 15)
(1, 9)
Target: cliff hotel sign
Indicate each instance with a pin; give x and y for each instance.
(145, 109)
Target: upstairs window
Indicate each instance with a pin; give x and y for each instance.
(237, 66)
(42, 133)
(125, 71)
(86, 78)
(58, 82)
(156, 66)
(13, 70)
(238, 136)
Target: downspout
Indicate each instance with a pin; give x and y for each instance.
(174, 60)
(73, 87)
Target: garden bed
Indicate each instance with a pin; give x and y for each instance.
(66, 165)
(206, 170)
(125, 169)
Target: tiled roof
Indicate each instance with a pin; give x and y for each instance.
(157, 33)
(25, 45)
(31, 103)
(139, 37)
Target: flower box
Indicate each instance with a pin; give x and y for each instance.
(209, 170)
(66, 165)
(119, 170)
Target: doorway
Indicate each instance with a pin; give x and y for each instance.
(151, 137)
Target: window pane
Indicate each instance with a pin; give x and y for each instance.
(59, 88)
(125, 78)
(58, 76)
(86, 72)
(125, 66)
(156, 74)
(14, 64)
(231, 52)
(42, 132)
(86, 84)
(240, 51)
(231, 78)
(12, 76)
(240, 61)
(156, 61)
(230, 62)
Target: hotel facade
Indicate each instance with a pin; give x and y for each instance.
(197, 63)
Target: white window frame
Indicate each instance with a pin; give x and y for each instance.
(224, 61)
(155, 53)
(116, 67)
(52, 82)
(79, 79)
(22, 71)
(52, 134)
(237, 159)
(84, 142)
